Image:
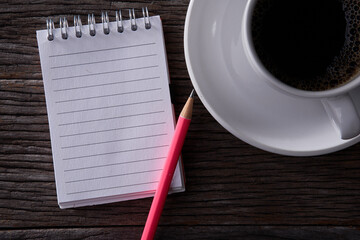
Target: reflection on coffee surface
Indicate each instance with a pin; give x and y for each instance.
(308, 44)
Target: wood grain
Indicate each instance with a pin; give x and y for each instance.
(233, 189)
(196, 232)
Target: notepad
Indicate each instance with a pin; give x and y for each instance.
(110, 115)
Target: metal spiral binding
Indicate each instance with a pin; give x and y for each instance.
(105, 22)
(50, 29)
(132, 19)
(92, 24)
(119, 23)
(64, 28)
(77, 26)
(146, 18)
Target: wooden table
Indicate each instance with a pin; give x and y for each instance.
(234, 190)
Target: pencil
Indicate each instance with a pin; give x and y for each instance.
(168, 170)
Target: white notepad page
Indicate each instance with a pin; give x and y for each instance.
(109, 109)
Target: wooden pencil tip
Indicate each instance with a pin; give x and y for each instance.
(192, 94)
(187, 110)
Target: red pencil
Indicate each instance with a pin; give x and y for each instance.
(168, 170)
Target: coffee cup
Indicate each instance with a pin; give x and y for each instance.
(335, 98)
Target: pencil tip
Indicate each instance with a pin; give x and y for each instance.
(192, 94)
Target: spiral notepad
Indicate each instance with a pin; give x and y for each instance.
(109, 109)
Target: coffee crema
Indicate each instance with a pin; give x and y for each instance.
(310, 45)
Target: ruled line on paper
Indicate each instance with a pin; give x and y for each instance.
(104, 119)
(108, 95)
(101, 50)
(112, 129)
(109, 153)
(104, 61)
(114, 106)
(105, 84)
(122, 186)
(101, 73)
(112, 141)
(113, 164)
(110, 176)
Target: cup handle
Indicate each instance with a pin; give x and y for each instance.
(342, 112)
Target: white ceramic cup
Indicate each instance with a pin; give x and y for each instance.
(337, 102)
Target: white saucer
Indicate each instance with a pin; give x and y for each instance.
(236, 96)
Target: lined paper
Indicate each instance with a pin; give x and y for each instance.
(109, 111)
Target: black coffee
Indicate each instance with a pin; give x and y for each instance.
(308, 44)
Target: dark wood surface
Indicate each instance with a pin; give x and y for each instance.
(234, 191)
